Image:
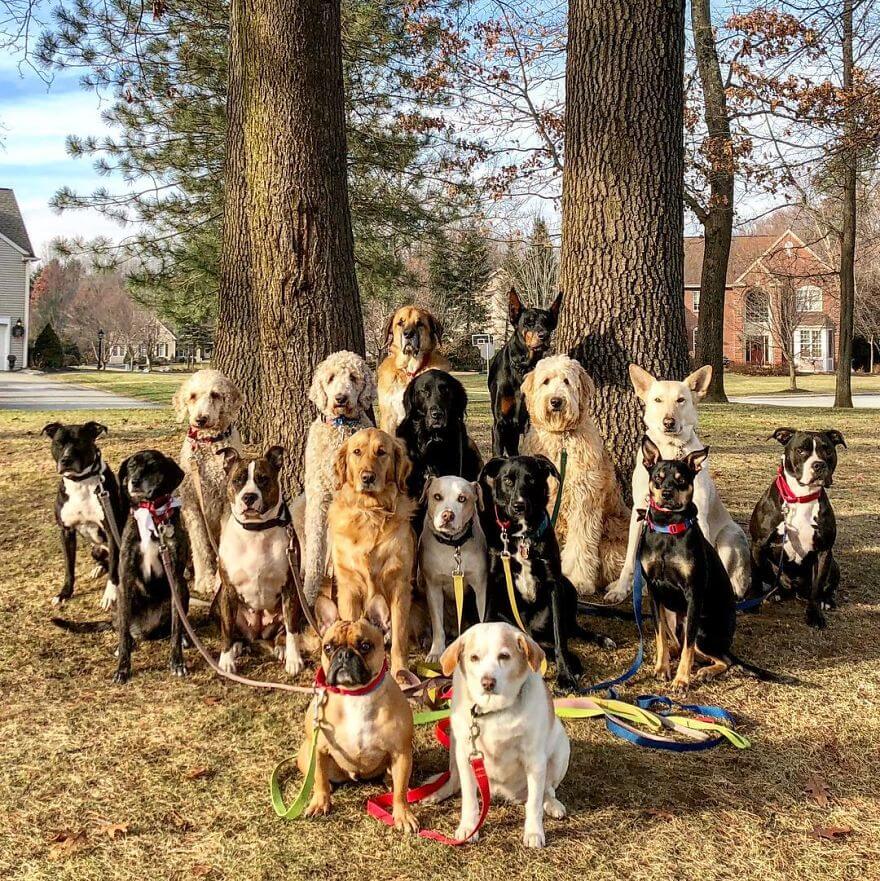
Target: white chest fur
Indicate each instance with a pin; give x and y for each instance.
(798, 529)
(395, 403)
(525, 579)
(358, 742)
(82, 510)
(255, 563)
(151, 564)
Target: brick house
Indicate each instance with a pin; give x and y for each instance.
(776, 285)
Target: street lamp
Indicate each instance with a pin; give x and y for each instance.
(100, 349)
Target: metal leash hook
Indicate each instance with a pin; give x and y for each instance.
(476, 752)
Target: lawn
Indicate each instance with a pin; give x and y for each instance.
(167, 779)
(155, 387)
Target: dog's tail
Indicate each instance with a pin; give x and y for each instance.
(760, 672)
(82, 626)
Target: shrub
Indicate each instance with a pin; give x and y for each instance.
(48, 350)
(464, 356)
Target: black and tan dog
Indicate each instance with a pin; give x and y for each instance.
(257, 596)
(691, 595)
(794, 523)
(530, 341)
(77, 506)
(435, 432)
(515, 519)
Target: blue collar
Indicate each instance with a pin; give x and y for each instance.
(672, 528)
(342, 421)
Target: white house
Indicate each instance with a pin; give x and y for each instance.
(16, 253)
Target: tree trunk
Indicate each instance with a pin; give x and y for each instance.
(843, 390)
(302, 285)
(792, 375)
(622, 252)
(718, 216)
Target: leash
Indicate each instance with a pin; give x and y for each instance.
(109, 514)
(563, 461)
(458, 585)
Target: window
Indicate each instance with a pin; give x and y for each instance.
(162, 350)
(811, 343)
(809, 298)
(757, 307)
(115, 351)
(757, 349)
(696, 296)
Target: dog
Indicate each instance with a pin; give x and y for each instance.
(343, 390)
(532, 330)
(502, 707)
(671, 421)
(209, 402)
(78, 508)
(691, 594)
(362, 735)
(793, 522)
(412, 335)
(435, 432)
(371, 536)
(257, 595)
(452, 539)
(516, 493)
(593, 521)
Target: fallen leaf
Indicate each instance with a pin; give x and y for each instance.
(200, 870)
(212, 700)
(660, 814)
(817, 789)
(831, 833)
(197, 773)
(113, 830)
(63, 844)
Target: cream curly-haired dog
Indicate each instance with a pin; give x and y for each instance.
(593, 520)
(209, 402)
(343, 390)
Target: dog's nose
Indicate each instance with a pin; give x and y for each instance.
(669, 422)
(341, 399)
(518, 506)
(556, 403)
(667, 495)
(66, 461)
(201, 420)
(820, 467)
(249, 499)
(488, 683)
(368, 478)
(447, 516)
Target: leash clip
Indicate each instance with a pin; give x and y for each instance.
(474, 734)
(505, 547)
(456, 556)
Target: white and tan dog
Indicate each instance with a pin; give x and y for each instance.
(670, 422)
(593, 521)
(209, 402)
(452, 537)
(495, 670)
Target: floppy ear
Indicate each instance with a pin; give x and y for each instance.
(548, 467)
(172, 475)
(514, 305)
(436, 329)
(783, 435)
(388, 334)
(230, 457)
(231, 399)
(402, 465)
(51, 429)
(528, 386)
(378, 613)
(555, 306)
(460, 398)
(650, 453)
(478, 492)
(326, 613)
(275, 456)
(340, 466)
(586, 388)
(95, 429)
(368, 394)
(698, 381)
(428, 481)
(317, 393)
(122, 480)
(835, 437)
(491, 469)
(696, 458)
(449, 658)
(533, 652)
(641, 380)
(178, 401)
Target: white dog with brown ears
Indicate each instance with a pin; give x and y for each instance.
(670, 422)
(593, 521)
(209, 403)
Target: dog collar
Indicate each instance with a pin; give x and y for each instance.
(372, 685)
(524, 541)
(160, 510)
(281, 519)
(456, 541)
(95, 468)
(671, 528)
(341, 421)
(197, 439)
(788, 495)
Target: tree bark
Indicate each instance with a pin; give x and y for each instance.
(718, 216)
(299, 238)
(843, 389)
(622, 236)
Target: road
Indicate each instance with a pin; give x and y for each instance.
(30, 391)
(817, 402)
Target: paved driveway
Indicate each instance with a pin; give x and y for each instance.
(806, 400)
(27, 391)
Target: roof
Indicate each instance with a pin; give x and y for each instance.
(11, 223)
(744, 251)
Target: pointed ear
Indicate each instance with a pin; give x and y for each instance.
(275, 456)
(230, 457)
(514, 305)
(478, 492)
(378, 613)
(641, 380)
(402, 465)
(50, 429)
(783, 435)
(555, 306)
(650, 452)
(449, 658)
(696, 458)
(835, 437)
(528, 385)
(340, 466)
(95, 429)
(698, 381)
(534, 653)
(326, 613)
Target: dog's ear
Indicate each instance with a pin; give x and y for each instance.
(650, 453)
(122, 480)
(317, 393)
(230, 457)
(50, 429)
(835, 437)
(449, 658)
(696, 458)
(783, 435)
(424, 497)
(586, 388)
(514, 305)
(641, 380)
(95, 429)
(232, 400)
(179, 400)
(402, 464)
(326, 613)
(275, 456)
(478, 492)
(555, 306)
(548, 467)
(388, 333)
(368, 392)
(534, 653)
(528, 386)
(172, 475)
(378, 613)
(491, 469)
(698, 381)
(340, 466)
(459, 398)
(436, 329)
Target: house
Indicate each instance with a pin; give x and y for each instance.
(16, 252)
(778, 289)
(153, 337)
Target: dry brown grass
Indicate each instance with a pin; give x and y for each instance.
(79, 754)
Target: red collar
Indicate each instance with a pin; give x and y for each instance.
(372, 685)
(196, 438)
(503, 525)
(788, 495)
(161, 509)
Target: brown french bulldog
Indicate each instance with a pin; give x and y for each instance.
(366, 725)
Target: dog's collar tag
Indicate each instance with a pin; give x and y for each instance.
(524, 548)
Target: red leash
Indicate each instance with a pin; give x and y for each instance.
(378, 806)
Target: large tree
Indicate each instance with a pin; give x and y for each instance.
(621, 263)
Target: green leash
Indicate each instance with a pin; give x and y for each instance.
(563, 460)
(305, 791)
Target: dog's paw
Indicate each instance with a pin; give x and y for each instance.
(111, 592)
(405, 820)
(319, 806)
(617, 591)
(776, 598)
(553, 807)
(464, 830)
(60, 598)
(97, 571)
(293, 663)
(662, 672)
(815, 618)
(433, 656)
(179, 669)
(120, 677)
(534, 838)
(227, 660)
(828, 603)
(681, 683)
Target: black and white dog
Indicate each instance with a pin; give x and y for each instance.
(78, 508)
(515, 520)
(793, 522)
